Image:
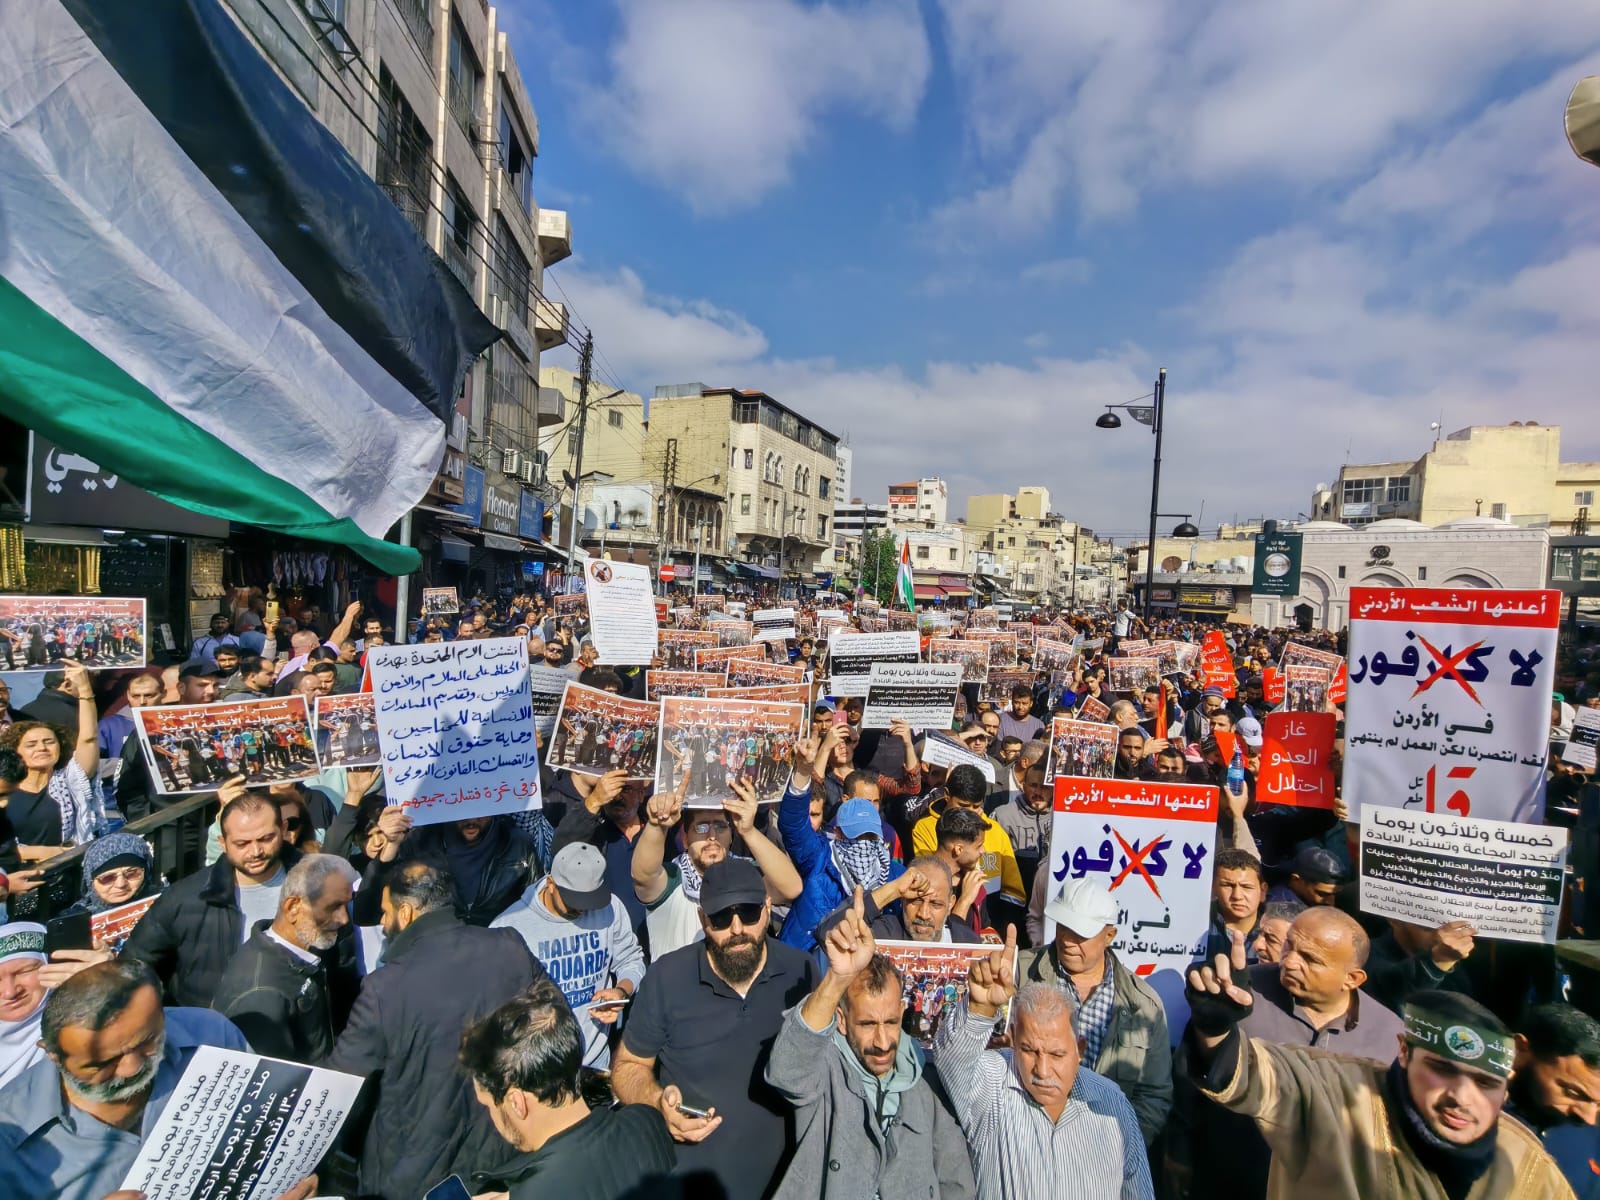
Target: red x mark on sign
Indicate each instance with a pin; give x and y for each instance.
(1446, 665)
(1136, 861)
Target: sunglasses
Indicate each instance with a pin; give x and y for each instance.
(749, 916)
(980, 737)
(703, 828)
(120, 875)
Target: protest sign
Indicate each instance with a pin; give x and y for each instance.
(755, 672)
(241, 1127)
(1175, 658)
(709, 601)
(717, 658)
(983, 618)
(455, 725)
(1580, 748)
(1002, 646)
(923, 695)
(940, 749)
(440, 602)
(717, 742)
(832, 614)
(851, 655)
(1428, 869)
(1152, 845)
(932, 622)
(1449, 704)
(972, 655)
(1134, 647)
(197, 747)
(1094, 710)
(900, 620)
(736, 609)
(684, 617)
(773, 624)
(786, 693)
(1051, 655)
(731, 633)
(43, 633)
(872, 624)
(110, 927)
(545, 688)
(1216, 660)
(1305, 688)
(934, 976)
(1087, 748)
(997, 688)
(347, 730)
(677, 647)
(681, 683)
(622, 612)
(1132, 675)
(572, 604)
(1296, 759)
(1272, 685)
(598, 731)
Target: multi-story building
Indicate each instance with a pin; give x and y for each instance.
(920, 500)
(771, 469)
(851, 521)
(843, 462)
(428, 98)
(1513, 472)
(1035, 549)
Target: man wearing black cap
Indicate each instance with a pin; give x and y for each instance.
(701, 1030)
(1313, 879)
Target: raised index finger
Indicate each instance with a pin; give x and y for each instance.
(1236, 956)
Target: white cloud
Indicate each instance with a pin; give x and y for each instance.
(716, 99)
(1059, 272)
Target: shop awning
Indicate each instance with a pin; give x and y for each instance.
(927, 591)
(761, 572)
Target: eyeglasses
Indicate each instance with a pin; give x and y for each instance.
(749, 916)
(128, 875)
(705, 828)
(980, 737)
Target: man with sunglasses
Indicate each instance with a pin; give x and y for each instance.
(701, 1030)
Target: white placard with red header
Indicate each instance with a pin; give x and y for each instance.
(1449, 700)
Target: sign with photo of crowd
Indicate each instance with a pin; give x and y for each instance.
(199, 747)
(44, 633)
(716, 742)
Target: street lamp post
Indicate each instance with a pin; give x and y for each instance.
(699, 532)
(1154, 415)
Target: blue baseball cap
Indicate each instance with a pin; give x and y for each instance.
(856, 817)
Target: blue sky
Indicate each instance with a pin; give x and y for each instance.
(952, 230)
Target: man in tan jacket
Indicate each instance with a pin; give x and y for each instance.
(1427, 1126)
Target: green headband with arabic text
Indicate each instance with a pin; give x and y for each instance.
(1459, 1041)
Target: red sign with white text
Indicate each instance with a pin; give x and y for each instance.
(1217, 663)
(1296, 754)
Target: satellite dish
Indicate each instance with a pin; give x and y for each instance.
(1583, 119)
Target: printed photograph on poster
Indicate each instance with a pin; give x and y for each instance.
(622, 612)
(545, 689)
(1025, 633)
(923, 695)
(677, 646)
(598, 731)
(198, 747)
(1051, 656)
(1580, 748)
(1002, 647)
(899, 620)
(731, 633)
(773, 624)
(940, 749)
(1305, 688)
(684, 617)
(1431, 868)
(1294, 654)
(1135, 647)
(110, 927)
(983, 618)
(347, 730)
(1151, 845)
(997, 688)
(935, 982)
(755, 672)
(973, 656)
(456, 728)
(681, 683)
(718, 658)
(1296, 759)
(716, 742)
(708, 601)
(851, 655)
(42, 633)
(1093, 710)
(1176, 658)
(248, 1128)
(1131, 676)
(572, 604)
(440, 602)
(931, 622)
(1087, 748)
(783, 693)
(873, 624)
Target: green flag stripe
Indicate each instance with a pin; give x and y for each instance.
(57, 383)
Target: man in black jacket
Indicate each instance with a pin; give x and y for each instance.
(193, 931)
(276, 989)
(488, 860)
(524, 1059)
(437, 976)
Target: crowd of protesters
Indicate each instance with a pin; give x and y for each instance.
(623, 995)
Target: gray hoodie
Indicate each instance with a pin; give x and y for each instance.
(583, 954)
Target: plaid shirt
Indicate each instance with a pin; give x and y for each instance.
(1090, 1017)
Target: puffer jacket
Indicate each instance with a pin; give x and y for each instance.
(822, 887)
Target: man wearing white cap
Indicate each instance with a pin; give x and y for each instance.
(1117, 1016)
(584, 938)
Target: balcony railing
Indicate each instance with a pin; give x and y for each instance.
(459, 262)
(420, 21)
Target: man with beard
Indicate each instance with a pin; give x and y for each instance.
(277, 989)
(670, 891)
(438, 975)
(1430, 1123)
(1555, 1089)
(926, 911)
(1130, 754)
(701, 1029)
(869, 1123)
(71, 1125)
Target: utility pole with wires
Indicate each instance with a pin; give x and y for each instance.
(585, 365)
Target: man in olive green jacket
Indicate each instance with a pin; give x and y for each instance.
(1118, 1017)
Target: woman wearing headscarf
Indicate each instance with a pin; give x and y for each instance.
(22, 994)
(118, 869)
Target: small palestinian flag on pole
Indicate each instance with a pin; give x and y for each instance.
(902, 583)
(202, 291)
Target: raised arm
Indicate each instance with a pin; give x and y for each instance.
(650, 847)
(972, 1076)
(345, 625)
(86, 751)
(783, 881)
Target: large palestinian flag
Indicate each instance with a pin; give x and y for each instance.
(202, 291)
